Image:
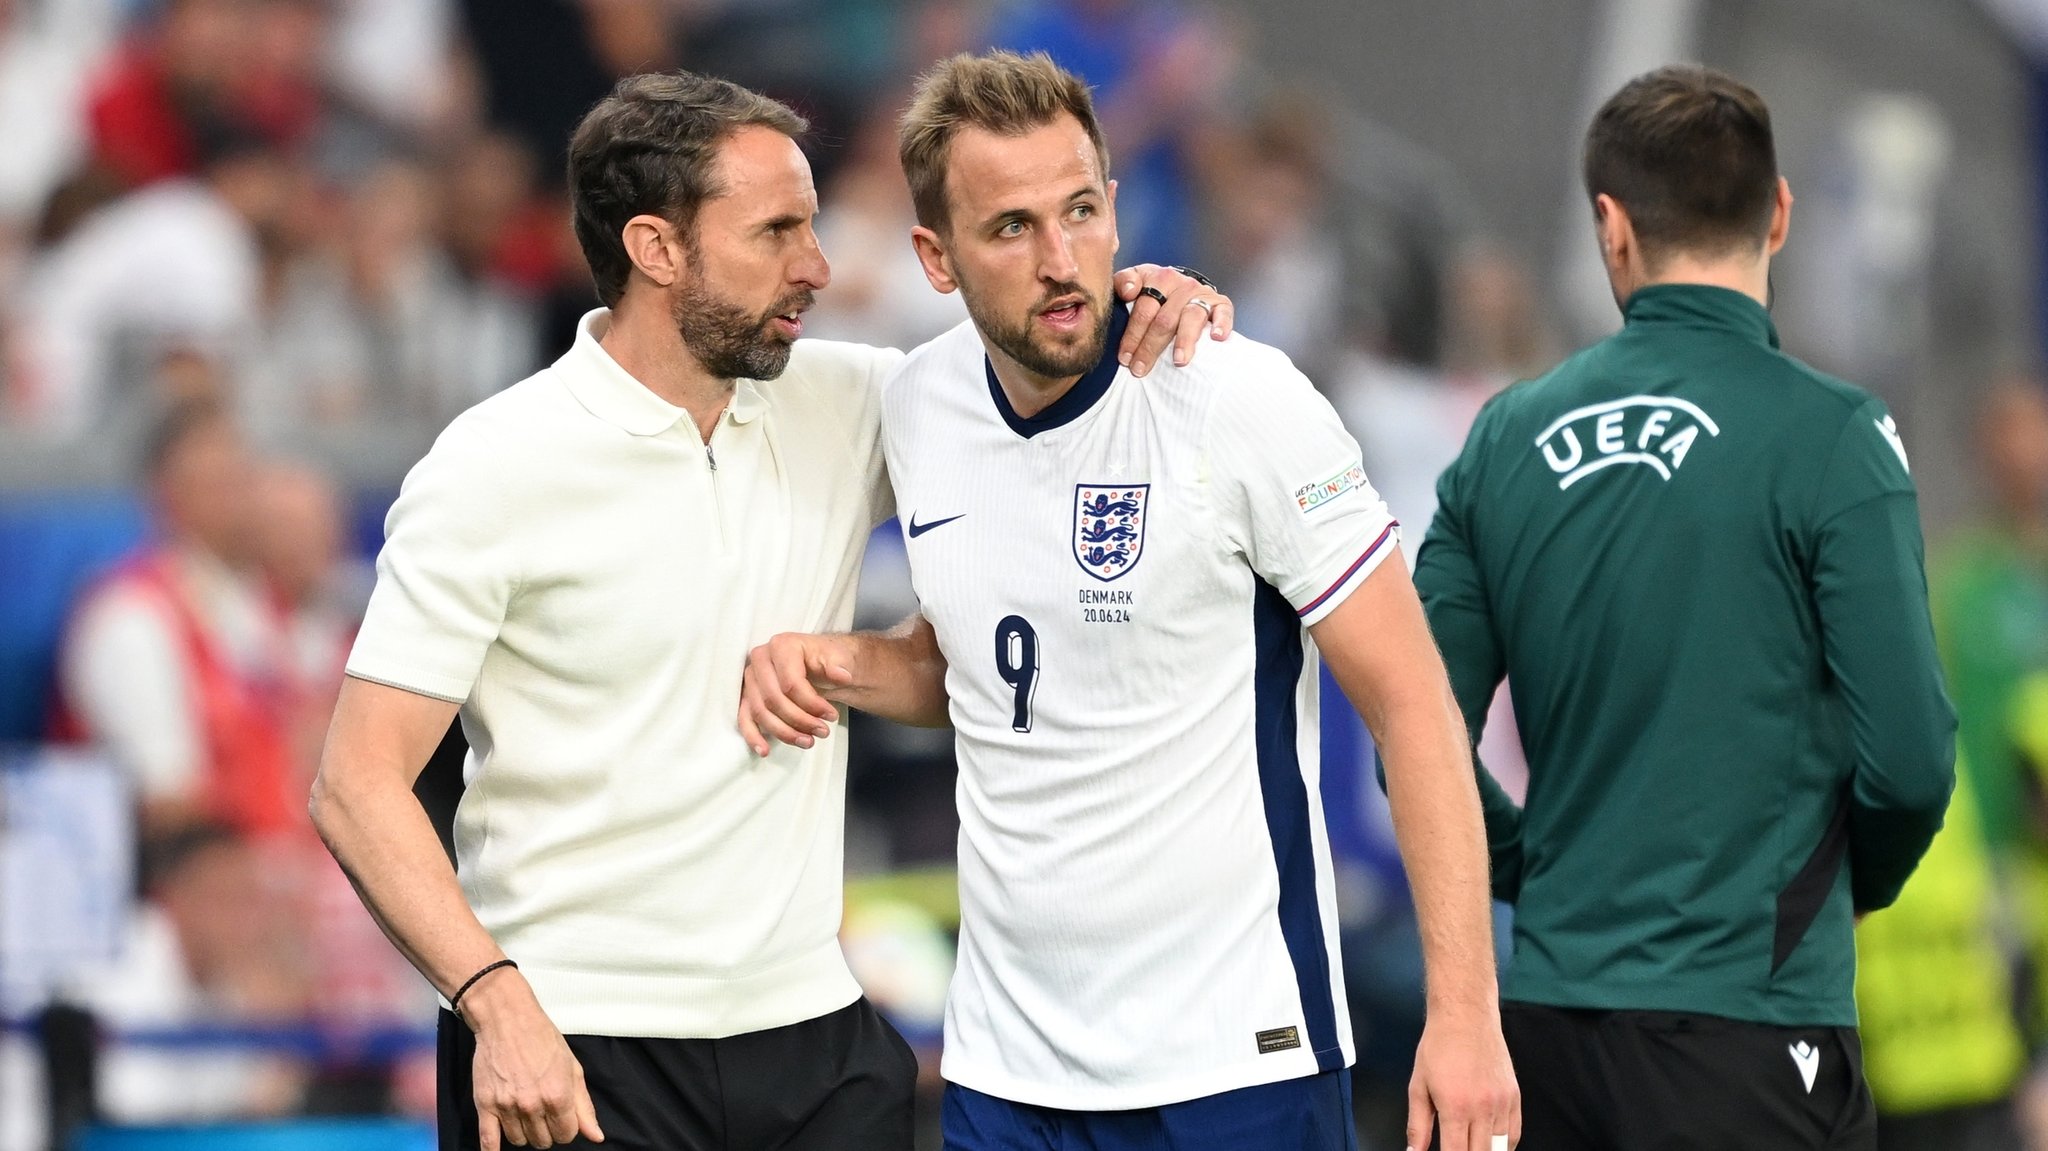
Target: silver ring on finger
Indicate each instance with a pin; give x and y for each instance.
(1208, 306)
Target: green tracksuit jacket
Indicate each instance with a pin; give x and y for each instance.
(1698, 563)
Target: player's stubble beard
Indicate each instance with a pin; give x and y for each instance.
(1046, 360)
(728, 341)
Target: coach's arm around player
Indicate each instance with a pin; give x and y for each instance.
(529, 1086)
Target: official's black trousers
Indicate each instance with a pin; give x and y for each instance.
(1666, 1081)
(840, 1082)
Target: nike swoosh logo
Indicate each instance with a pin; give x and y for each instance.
(918, 529)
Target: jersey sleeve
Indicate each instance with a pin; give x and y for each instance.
(1448, 578)
(1869, 588)
(882, 367)
(1291, 489)
(445, 577)
(850, 378)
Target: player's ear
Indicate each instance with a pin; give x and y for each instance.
(655, 249)
(931, 255)
(1116, 241)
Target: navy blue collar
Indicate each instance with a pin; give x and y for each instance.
(1079, 398)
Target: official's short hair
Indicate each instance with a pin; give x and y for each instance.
(1687, 152)
(1000, 92)
(651, 148)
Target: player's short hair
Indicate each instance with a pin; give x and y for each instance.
(1687, 152)
(651, 148)
(1000, 92)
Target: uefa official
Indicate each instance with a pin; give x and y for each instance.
(1699, 563)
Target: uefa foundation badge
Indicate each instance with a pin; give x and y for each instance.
(1109, 528)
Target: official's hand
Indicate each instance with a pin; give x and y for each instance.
(528, 1085)
(779, 694)
(1463, 1083)
(1189, 308)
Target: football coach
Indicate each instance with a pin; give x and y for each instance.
(1699, 562)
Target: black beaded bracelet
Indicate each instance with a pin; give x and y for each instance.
(1197, 277)
(455, 1000)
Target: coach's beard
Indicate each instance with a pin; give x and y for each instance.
(727, 340)
(1048, 359)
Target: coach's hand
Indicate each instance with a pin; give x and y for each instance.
(1464, 1083)
(780, 694)
(1190, 307)
(529, 1086)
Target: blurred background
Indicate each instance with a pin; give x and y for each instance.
(255, 253)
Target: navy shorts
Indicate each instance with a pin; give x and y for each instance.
(1309, 1114)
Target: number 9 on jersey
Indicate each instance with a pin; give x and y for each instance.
(1017, 663)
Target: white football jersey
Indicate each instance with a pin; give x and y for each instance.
(1121, 585)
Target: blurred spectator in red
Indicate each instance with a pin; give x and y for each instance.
(879, 294)
(177, 264)
(164, 663)
(280, 90)
(213, 942)
(176, 68)
(251, 63)
(1158, 68)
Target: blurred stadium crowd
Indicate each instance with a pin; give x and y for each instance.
(255, 253)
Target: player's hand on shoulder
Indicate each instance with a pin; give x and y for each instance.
(1168, 306)
(781, 692)
(528, 1085)
(1464, 1084)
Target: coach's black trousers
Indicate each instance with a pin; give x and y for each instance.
(840, 1082)
(1668, 1081)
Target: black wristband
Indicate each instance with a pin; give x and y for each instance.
(455, 1000)
(1197, 277)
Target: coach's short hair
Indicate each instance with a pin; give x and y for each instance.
(651, 148)
(1000, 92)
(1687, 151)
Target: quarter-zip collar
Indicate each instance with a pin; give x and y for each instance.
(610, 393)
(1701, 306)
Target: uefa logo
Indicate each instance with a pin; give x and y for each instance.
(1653, 432)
